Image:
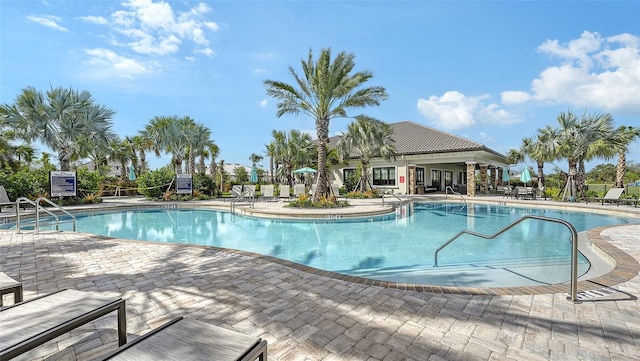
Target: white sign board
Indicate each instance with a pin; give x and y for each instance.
(63, 184)
(183, 184)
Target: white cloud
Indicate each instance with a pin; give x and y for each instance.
(453, 110)
(112, 64)
(594, 71)
(154, 28)
(263, 103)
(49, 21)
(485, 137)
(259, 71)
(95, 20)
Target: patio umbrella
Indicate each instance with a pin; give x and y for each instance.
(304, 170)
(254, 175)
(505, 174)
(132, 173)
(525, 176)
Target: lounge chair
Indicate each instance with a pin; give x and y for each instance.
(236, 190)
(29, 324)
(190, 340)
(335, 189)
(298, 190)
(249, 191)
(4, 199)
(613, 196)
(9, 285)
(284, 191)
(267, 191)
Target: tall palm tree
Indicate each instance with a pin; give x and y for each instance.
(623, 137)
(270, 152)
(327, 89)
(64, 120)
(367, 138)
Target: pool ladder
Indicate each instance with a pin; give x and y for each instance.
(446, 193)
(573, 294)
(56, 220)
(249, 196)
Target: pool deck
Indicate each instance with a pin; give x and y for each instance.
(314, 315)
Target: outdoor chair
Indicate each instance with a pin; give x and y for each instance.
(191, 340)
(4, 199)
(298, 190)
(613, 196)
(249, 191)
(9, 285)
(236, 190)
(31, 323)
(284, 191)
(267, 192)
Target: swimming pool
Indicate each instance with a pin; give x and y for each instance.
(398, 247)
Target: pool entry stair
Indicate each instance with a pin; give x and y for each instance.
(573, 294)
(54, 219)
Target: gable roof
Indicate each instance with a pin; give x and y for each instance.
(414, 138)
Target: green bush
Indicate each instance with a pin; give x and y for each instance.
(204, 184)
(153, 184)
(30, 183)
(88, 182)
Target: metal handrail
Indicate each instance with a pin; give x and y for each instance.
(393, 195)
(249, 195)
(446, 193)
(574, 248)
(38, 207)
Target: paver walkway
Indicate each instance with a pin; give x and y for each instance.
(306, 316)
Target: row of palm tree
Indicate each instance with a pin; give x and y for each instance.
(72, 125)
(578, 139)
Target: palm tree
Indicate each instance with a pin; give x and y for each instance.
(623, 137)
(270, 152)
(64, 120)
(173, 135)
(578, 140)
(367, 138)
(142, 145)
(293, 150)
(213, 151)
(122, 151)
(535, 149)
(326, 91)
(255, 158)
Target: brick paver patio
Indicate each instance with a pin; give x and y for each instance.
(307, 316)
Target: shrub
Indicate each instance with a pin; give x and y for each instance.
(363, 194)
(154, 184)
(305, 201)
(204, 184)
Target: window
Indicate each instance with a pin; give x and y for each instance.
(384, 176)
(348, 174)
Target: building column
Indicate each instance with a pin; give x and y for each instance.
(483, 179)
(411, 182)
(471, 179)
(499, 181)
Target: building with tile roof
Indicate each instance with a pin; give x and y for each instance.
(429, 159)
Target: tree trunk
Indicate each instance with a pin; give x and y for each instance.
(573, 171)
(622, 165)
(363, 179)
(143, 161)
(322, 127)
(540, 175)
(271, 170)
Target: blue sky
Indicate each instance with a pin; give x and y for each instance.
(490, 71)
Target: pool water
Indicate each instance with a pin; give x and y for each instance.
(399, 247)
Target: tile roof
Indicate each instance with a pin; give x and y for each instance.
(414, 138)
